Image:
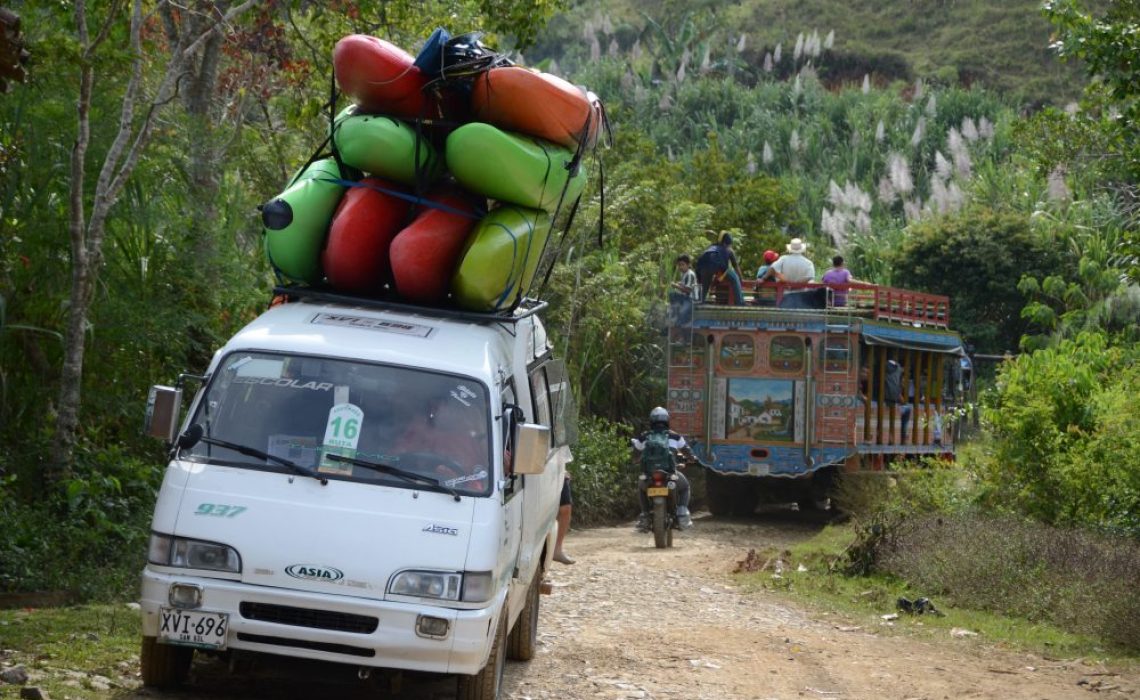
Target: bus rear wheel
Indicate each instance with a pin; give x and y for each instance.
(727, 495)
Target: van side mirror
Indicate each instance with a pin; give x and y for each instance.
(531, 448)
(163, 405)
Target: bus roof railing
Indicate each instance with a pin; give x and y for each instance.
(866, 300)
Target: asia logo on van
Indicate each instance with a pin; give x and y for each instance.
(314, 573)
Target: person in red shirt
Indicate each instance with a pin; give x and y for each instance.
(456, 431)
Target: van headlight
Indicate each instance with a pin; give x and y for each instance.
(469, 587)
(166, 550)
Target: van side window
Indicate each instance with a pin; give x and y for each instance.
(508, 429)
(540, 396)
(563, 411)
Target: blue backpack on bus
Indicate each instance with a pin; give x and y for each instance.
(657, 455)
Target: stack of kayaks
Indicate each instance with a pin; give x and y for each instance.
(400, 208)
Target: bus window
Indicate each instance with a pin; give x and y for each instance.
(786, 354)
(737, 352)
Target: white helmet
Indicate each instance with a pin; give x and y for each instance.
(659, 415)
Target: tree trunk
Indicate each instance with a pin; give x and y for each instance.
(122, 156)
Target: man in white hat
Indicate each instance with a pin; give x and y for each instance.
(794, 267)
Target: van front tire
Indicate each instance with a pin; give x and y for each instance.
(523, 642)
(164, 665)
(487, 684)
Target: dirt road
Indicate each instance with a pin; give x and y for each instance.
(603, 639)
(630, 621)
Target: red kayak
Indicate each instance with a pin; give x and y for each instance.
(382, 78)
(356, 256)
(424, 254)
(537, 104)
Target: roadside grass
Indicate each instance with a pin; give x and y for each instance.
(85, 652)
(864, 600)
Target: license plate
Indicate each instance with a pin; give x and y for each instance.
(653, 491)
(193, 628)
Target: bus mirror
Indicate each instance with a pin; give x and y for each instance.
(532, 446)
(163, 405)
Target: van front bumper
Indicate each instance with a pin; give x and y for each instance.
(302, 625)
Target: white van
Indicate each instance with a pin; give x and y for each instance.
(362, 484)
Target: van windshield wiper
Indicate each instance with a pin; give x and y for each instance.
(394, 471)
(196, 433)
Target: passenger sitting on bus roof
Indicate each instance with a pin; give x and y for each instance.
(764, 273)
(839, 275)
(687, 285)
(719, 262)
(683, 293)
(766, 297)
(794, 267)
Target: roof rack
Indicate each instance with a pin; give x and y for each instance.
(528, 307)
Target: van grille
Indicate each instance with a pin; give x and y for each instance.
(305, 644)
(305, 617)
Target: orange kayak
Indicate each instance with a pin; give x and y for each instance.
(537, 104)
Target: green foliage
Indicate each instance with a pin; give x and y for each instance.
(604, 483)
(1108, 45)
(90, 539)
(1067, 440)
(977, 258)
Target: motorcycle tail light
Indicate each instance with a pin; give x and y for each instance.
(658, 478)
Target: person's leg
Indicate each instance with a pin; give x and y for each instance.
(564, 510)
(737, 289)
(683, 501)
(705, 275)
(904, 415)
(643, 518)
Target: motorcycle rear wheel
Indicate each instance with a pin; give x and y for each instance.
(661, 530)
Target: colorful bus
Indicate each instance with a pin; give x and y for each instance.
(805, 381)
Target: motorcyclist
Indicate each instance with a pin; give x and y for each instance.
(650, 460)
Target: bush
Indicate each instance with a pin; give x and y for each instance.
(89, 539)
(1069, 578)
(1067, 437)
(603, 479)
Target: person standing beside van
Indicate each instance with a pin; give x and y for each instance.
(565, 508)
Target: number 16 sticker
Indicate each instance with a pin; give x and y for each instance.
(342, 433)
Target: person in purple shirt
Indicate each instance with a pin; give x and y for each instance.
(837, 275)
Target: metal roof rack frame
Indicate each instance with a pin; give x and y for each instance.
(528, 307)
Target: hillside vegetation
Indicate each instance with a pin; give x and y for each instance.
(1003, 46)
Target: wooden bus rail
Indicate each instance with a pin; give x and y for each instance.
(870, 300)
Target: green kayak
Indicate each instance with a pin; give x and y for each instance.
(512, 168)
(500, 257)
(384, 147)
(297, 219)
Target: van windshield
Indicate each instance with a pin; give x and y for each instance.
(305, 409)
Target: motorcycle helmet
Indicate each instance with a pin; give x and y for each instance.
(659, 416)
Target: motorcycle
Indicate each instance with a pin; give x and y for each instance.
(661, 488)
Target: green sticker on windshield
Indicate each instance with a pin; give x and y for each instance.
(342, 434)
